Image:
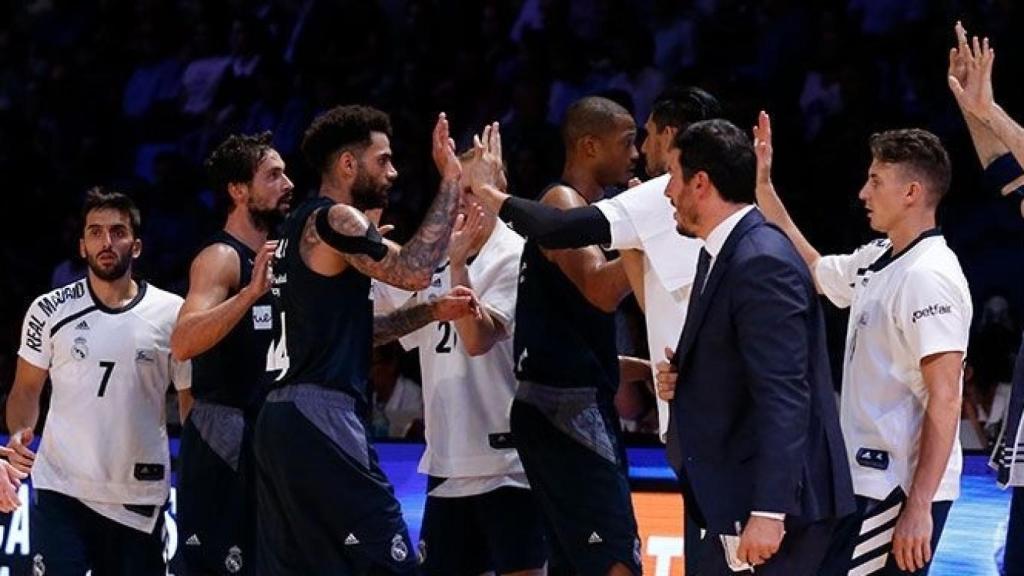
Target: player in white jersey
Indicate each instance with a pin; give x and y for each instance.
(479, 516)
(910, 316)
(102, 473)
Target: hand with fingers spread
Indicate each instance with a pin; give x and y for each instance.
(467, 233)
(486, 178)
(970, 74)
(443, 150)
(19, 455)
(666, 377)
(457, 303)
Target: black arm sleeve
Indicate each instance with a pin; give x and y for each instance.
(555, 228)
(370, 244)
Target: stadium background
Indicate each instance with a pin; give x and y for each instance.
(134, 94)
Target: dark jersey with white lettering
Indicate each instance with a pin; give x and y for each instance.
(561, 339)
(326, 322)
(233, 372)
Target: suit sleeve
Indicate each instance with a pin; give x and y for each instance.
(771, 306)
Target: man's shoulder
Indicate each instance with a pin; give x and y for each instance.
(62, 301)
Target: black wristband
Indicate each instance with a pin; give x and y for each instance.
(1002, 171)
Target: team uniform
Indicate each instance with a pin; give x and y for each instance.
(102, 472)
(564, 421)
(479, 515)
(903, 308)
(216, 485)
(324, 504)
(641, 218)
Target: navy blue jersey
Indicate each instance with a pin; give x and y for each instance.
(232, 371)
(326, 322)
(561, 339)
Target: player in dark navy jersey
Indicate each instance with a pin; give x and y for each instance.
(563, 417)
(225, 327)
(325, 506)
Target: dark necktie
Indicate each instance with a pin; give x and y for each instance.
(673, 452)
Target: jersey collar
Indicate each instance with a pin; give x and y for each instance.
(107, 309)
(888, 257)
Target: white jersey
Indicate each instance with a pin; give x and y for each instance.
(641, 218)
(902, 309)
(105, 440)
(466, 400)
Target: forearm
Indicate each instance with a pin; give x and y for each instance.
(633, 264)
(1008, 132)
(555, 228)
(184, 404)
(198, 331)
(429, 245)
(607, 285)
(938, 433)
(987, 144)
(775, 211)
(407, 319)
(22, 408)
(478, 335)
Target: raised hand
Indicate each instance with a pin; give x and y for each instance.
(763, 149)
(465, 234)
(443, 150)
(970, 74)
(262, 271)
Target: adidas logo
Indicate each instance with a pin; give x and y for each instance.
(83, 325)
(193, 540)
(595, 538)
(351, 540)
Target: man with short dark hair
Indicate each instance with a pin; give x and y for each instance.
(102, 475)
(225, 326)
(910, 318)
(324, 504)
(753, 433)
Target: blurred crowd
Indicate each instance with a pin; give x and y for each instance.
(134, 94)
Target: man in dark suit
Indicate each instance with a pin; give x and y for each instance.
(754, 431)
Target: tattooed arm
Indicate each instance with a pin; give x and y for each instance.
(460, 302)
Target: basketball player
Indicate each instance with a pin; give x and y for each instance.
(563, 418)
(225, 327)
(102, 475)
(480, 516)
(910, 315)
(325, 506)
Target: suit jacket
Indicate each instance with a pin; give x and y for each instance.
(755, 415)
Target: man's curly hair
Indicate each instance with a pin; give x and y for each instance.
(339, 129)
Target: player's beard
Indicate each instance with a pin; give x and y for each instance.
(115, 272)
(264, 219)
(367, 194)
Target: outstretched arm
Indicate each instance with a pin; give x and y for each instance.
(549, 226)
(460, 302)
(768, 200)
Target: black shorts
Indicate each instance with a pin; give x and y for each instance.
(216, 492)
(862, 541)
(573, 457)
(323, 502)
(500, 531)
(69, 539)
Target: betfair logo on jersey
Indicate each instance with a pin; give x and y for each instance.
(933, 310)
(262, 317)
(142, 355)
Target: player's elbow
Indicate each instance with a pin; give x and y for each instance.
(180, 351)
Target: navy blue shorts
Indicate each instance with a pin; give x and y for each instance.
(323, 503)
(69, 539)
(216, 493)
(501, 531)
(576, 466)
(862, 542)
